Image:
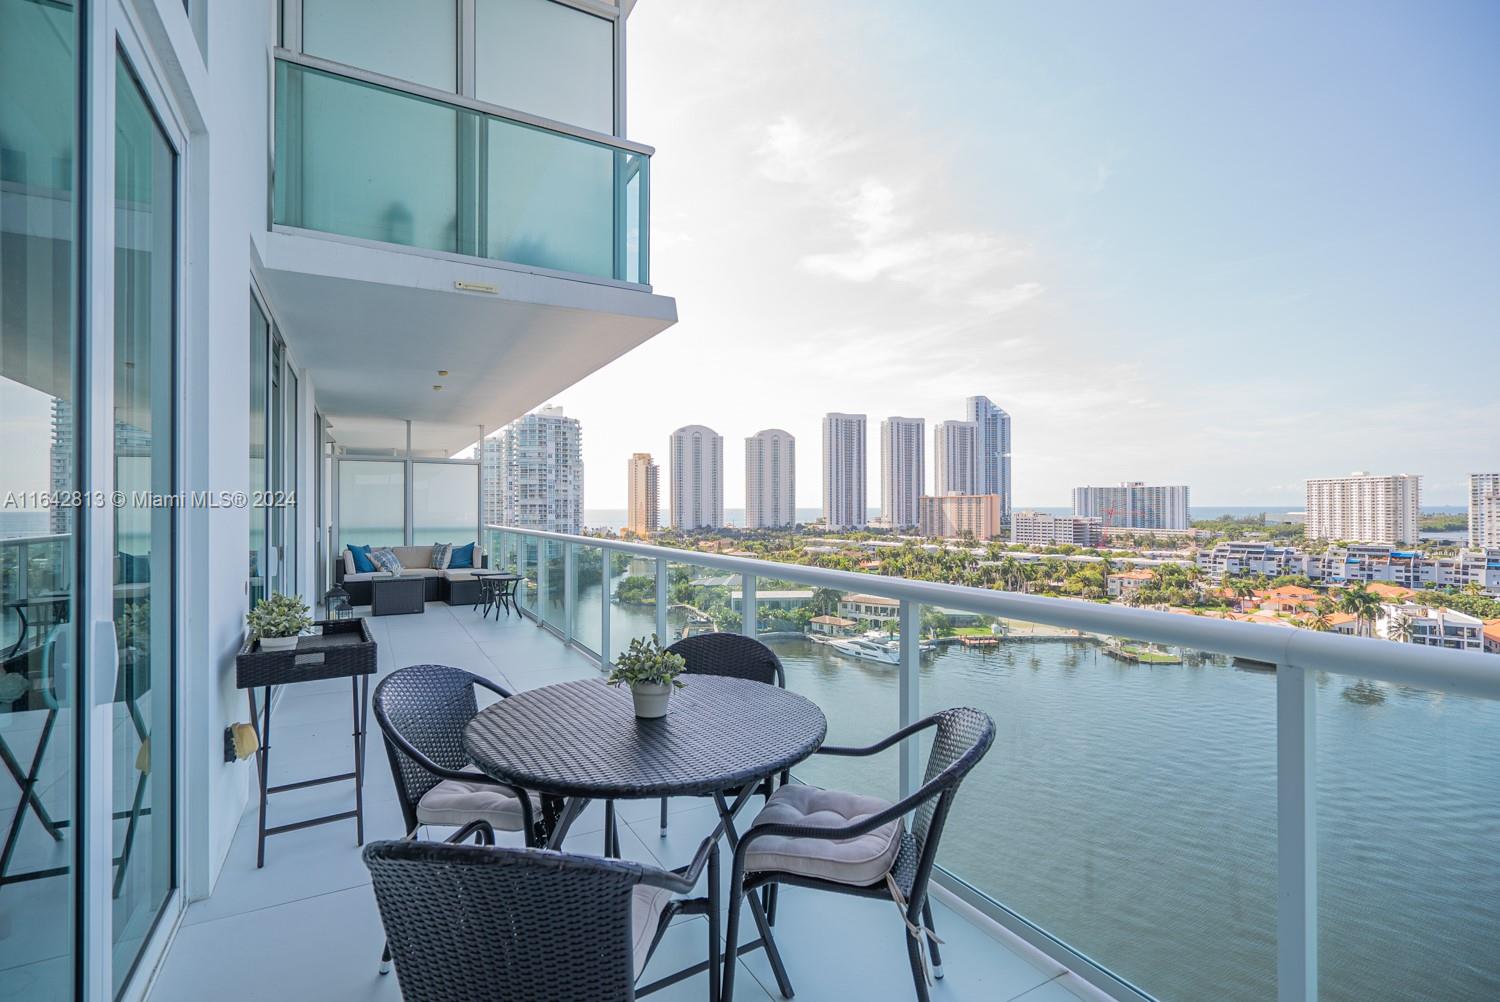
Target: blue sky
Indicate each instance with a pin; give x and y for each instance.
(1230, 246)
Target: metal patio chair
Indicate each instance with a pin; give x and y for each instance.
(871, 854)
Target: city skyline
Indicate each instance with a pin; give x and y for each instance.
(1158, 283)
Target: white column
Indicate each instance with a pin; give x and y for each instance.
(747, 604)
(661, 600)
(604, 596)
(1296, 836)
(910, 693)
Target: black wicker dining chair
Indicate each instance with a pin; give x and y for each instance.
(516, 925)
(728, 655)
(422, 711)
(828, 840)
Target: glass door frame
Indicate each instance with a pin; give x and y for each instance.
(111, 33)
(283, 453)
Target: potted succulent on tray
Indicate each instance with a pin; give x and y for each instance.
(277, 621)
(651, 672)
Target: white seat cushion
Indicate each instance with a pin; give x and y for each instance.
(858, 861)
(646, 905)
(455, 802)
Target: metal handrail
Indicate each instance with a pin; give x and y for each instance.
(1437, 668)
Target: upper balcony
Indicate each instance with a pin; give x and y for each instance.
(372, 158)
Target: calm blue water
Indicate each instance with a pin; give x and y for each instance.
(1130, 811)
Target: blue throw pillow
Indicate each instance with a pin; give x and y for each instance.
(362, 562)
(462, 556)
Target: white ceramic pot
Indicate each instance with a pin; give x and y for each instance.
(650, 698)
(278, 643)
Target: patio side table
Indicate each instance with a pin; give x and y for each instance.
(344, 649)
(398, 595)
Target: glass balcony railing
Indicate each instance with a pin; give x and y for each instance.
(372, 161)
(1175, 807)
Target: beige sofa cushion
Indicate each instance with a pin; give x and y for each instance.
(414, 557)
(859, 861)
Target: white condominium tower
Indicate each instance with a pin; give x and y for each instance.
(697, 494)
(770, 479)
(1484, 510)
(955, 458)
(1134, 505)
(541, 472)
(994, 449)
(902, 463)
(491, 481)
(844, 471)
(1361, 508)
(643, 516)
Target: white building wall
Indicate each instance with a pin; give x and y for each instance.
(844, 470)
(1135, 505)
(1364, 508)
(902, 470)
(1484, 509)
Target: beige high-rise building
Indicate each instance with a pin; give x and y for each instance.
(955, 457)
(697, 487)
(643, 513)
(902, 461)
(1362, 508)
(770, 479)
(844, 471)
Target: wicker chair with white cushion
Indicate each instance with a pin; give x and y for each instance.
(846, 843)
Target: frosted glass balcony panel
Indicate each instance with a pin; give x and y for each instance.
(365, 161)
(548, 59)
(414, 40)
(376, 163)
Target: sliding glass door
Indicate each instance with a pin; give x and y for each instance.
(40, 586)
(273, 460)
(141, 729)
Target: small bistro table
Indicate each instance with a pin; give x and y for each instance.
(496, 589)
(344, 649)
(579, 741)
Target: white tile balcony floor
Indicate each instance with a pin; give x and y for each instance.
(306, 926)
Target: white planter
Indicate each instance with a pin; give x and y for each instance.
(278, 643)
(650, 698)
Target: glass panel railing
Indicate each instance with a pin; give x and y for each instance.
(552, 610)
(1407, 816)
(632, 610)
(528, 551)
(588, 577)
(376, 163)
(839, 651)
(1128, 805)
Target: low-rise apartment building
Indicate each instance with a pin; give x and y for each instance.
(1035, 528)
(1122, 584)
(1366, 563)
(955, 515)
(1432, 627)
(1237, 558)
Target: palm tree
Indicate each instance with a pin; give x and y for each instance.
(1363, 605)
(1399, 628)
(825, 601)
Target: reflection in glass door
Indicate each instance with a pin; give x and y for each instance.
(260, 344)
(276, 464)
(141, 729)
(39, 589)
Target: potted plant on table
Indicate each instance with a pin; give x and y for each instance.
(277, 621)
(651, 672)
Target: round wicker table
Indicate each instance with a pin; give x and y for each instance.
(581, 741)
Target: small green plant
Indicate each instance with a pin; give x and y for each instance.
(278, 616)
(645, 660)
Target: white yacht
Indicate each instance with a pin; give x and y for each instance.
(867, 650)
